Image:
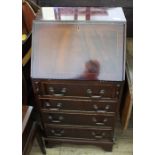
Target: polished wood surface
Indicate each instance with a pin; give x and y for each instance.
(105, 144)
(68, 88)
(126, 112)
(26, 114)
(69, 132)
(82, 51)
(91, 117)
(127, 6)
(77, 69)
(81, 14)
(77, 104)
(27, 126)
(30, 131)
(92, 3)
(102, 120)
(78, 52)
(28, 15)
(128, 91)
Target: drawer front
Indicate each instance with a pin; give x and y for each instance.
(80, 105)
(78, 119)
(84, 133)
(87, 89)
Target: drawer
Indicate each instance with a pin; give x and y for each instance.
(77, 105)
(74, 132)
(106, 144)
(78, 119)
(87, 89)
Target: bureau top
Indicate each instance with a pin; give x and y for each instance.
(89, 14)
(79, 50)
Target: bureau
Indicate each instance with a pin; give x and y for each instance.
(78, 71)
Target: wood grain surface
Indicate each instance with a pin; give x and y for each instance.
(26, 112)
(78, 51)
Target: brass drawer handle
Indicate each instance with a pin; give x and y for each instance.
(58, 106)
(47, 104)
(96, 108)
(98, 136)
(107, 107)
(57, 133)
(89, 93)
(63, 91)
(99, 123)
(36, 86)
(59, 120)
(51, 89)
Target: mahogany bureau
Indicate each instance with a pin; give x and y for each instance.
(78, 71)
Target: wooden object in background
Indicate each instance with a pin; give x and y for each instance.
(28, 16)
(30, 130)
(128, 93)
